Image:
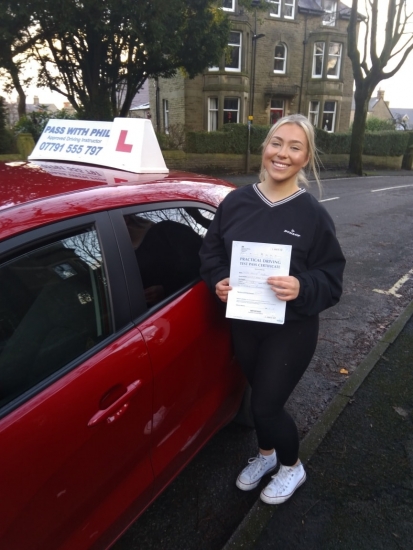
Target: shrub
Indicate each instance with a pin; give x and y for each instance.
(174, 140)
(382, 144)
(374, 124)
(34, 122)
(233, 139)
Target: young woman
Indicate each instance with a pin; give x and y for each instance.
(274, 357)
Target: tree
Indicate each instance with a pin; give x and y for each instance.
(367, 74)
(15, 43)
(95, 49)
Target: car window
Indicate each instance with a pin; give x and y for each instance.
(166, 244)
(54, 307)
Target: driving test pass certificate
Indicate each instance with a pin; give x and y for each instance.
(251, 297)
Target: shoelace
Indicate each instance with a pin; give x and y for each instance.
(281, 479)
(259, 463)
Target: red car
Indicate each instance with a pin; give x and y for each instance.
(115, 360)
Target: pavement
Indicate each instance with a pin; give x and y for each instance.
(359, 462)
(244, 179)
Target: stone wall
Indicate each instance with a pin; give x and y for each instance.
(220, 163)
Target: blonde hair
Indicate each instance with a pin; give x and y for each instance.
(307, 127)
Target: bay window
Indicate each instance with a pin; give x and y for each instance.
(329, 116)
(313, 112)
(330, 60)
(231, 110)
(212, 114)
(233, 58)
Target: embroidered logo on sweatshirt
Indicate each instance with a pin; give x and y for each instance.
(292, 232)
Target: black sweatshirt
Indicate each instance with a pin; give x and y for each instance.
(299, 220)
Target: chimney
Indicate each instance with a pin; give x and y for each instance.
(380, 94)
(36, 100)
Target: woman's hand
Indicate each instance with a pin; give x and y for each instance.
(285, 288)
(222, 288)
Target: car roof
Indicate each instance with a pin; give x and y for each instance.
(33, 194)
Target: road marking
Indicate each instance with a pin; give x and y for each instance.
(390, 188)
(332, 199)
(393, 290)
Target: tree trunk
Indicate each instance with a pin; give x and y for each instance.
(15, 76)
(361, 99)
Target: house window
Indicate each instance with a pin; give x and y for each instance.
(334, 60)
(289, 6)
(276, 110)
(313, 112)
(329, 116)
(285, 8)
(212, 114)
(233, 57)
(166, 116)
(318, 59)
(280, 58)
(275, 8)
(330, 16)
(228, 5)
(231, 110)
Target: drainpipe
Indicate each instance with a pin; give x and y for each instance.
(303, 63)
(157, 109)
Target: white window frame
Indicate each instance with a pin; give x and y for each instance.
(333, 115)
(166, 116)
(314, 112)
(231, 110)
(279, 8)
(315, 57)
(330, 15)
(239, 46)
(272, 109)
(232, 8)
(289, 4)
(283, 59)
(337, 56)
(275, 8)
(213, 114)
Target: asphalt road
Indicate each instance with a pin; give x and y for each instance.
(373, 217)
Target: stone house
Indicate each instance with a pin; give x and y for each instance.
(378, 108)
(291, 58)
(37, 105)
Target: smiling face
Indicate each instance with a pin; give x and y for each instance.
(285, 155)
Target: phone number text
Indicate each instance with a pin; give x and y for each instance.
(74, 149)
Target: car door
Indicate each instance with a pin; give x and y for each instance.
(197, 385)
(75, 391)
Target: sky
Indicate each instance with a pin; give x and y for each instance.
(397, 89)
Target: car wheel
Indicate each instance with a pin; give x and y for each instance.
(244, 414)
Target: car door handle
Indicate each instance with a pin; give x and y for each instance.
(117, 408)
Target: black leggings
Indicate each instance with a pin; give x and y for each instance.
(274, 358)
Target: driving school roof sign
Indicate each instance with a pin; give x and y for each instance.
(126, 143)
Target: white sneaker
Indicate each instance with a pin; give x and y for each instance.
(283, 484)
(257, 467)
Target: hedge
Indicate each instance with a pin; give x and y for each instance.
(233, 139)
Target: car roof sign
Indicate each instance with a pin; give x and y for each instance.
(128, 144)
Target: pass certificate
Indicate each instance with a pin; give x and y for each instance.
(251, 297)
